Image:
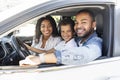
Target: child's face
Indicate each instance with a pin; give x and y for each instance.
(66, 32)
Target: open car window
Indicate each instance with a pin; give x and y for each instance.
(25, 31)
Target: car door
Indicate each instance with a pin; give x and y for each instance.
(101, 69)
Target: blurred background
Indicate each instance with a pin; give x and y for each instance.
(7, 4)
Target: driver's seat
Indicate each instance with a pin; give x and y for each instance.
(99, 30)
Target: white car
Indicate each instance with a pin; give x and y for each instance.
(14, 24)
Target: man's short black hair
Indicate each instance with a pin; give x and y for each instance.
(87, 11)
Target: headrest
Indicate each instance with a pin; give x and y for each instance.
(99, 24)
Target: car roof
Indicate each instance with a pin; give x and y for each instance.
(31, 3)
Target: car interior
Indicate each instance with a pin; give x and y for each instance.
(12, 48)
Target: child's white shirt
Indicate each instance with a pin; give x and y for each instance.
(62, 45)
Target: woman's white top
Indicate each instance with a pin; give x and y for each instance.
(50, 43)
(63, 45)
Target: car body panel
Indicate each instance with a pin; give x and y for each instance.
(97, 70)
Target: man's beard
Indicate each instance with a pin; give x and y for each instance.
(87, 34)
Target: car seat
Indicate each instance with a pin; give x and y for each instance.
(100, 31)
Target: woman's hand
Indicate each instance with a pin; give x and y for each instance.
(29, 47)
(30, 60)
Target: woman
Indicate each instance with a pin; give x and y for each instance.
(46, 36)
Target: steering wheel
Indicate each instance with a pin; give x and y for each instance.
(20, 48)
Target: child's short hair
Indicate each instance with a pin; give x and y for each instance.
(66, 21)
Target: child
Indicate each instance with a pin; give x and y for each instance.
(67, 33)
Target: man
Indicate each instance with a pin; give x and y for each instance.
(89, 45)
